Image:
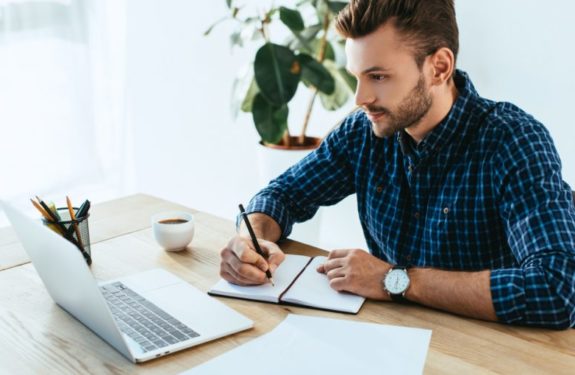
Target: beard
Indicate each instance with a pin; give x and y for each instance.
(408, 113)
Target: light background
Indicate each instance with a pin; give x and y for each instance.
(187, 148)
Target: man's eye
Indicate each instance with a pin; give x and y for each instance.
(377, 77)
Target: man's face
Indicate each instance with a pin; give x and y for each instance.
(391, 88)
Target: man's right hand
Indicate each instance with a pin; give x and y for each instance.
(242, 265)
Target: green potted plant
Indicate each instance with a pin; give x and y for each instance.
(310, 53)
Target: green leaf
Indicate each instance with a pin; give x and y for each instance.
(249, 32)
(350, 80)
(342, 91)
(302, 2)
(242, 91)
(292, 19)
(247, 103)
(236, 39)
(311, 32)
(336, 6)
(296, 43)
(322, 11)
(270, 120)
(329, 53)
(229, 4)
(209, 30)
(277, 73)
(304, 41)
(315, 74)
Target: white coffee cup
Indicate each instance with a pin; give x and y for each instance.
(173, 230)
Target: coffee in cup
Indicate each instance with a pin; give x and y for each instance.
(173, 230)
(173, 221)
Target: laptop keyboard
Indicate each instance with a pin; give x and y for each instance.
(148, 325)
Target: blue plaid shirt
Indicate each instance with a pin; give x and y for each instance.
(483, 190)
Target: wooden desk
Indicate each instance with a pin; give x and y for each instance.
(36, 336)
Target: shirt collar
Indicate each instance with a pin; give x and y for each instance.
(452, 124)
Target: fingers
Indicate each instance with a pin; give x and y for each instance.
(242, 265)
(335, 269)
(246, 253)
(275, 255)
(228, 274)
(235, 271)
(340, 284)
(338, 258)
(331, 264)
(333, 255)
(339, 253)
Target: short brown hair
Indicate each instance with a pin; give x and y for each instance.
(427, 25)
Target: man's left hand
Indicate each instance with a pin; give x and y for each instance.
(356, 271)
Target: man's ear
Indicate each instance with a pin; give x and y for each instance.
(442, 64)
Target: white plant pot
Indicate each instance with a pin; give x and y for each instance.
(274, 161)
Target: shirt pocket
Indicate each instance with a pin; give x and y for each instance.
(466, 236)
(436, 244)
(453, 242)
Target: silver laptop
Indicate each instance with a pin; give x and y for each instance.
(144, 316)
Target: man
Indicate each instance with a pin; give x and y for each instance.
(461, 199)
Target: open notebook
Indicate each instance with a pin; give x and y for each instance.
(298, 283)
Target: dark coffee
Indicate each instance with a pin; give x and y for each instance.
(173, 221)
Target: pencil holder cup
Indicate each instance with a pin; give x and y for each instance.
(80, 237)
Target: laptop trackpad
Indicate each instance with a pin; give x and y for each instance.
(194, 308)
(151, 280)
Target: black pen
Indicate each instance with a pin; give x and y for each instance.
(83, 210)
(63, 229)
(255, 241)
(52, 215)
(80, 214)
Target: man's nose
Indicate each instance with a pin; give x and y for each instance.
(363, 96)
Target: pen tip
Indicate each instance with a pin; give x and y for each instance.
(272, 281)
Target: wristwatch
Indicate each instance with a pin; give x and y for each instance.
(396, 282)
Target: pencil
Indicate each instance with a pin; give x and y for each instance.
(73, 219)
(54, 222)
(255, 241)
(53, 218)
(46, 216)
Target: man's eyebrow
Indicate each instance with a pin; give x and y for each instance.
(370, 70)
(374, 69)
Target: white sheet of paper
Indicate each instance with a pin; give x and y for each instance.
(283, 276)
(312, 345)
(312, 289)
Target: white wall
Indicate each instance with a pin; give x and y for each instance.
(188, 149)
(523, 51)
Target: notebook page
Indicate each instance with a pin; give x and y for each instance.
(283, 276)
(312, 289)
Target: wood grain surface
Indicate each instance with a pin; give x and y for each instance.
(38, 337)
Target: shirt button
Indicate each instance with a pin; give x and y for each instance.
(446, 210)
(416, 215)
(379, 189)
(408, 258)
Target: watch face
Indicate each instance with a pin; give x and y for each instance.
(396, 281)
